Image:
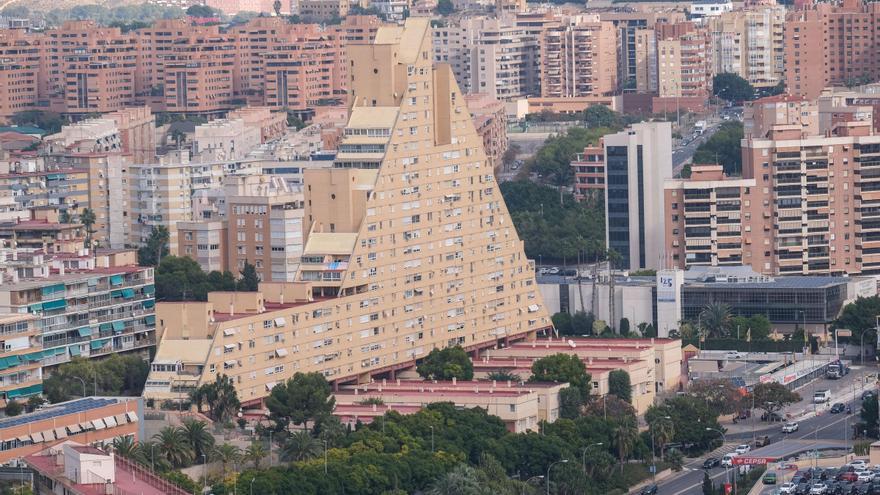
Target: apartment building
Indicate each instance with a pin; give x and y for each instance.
(637, 161)
(19, 71)
(409, 247)
(684, 67)
(579, 58)
(750, 44)
(205, 242)
(227, 139)
(709, 219)
(323, 10)
(20, 372)
(831, 44)
(199, 72)
(589, 173)
(65, 188)
(628, 25)
(42, 233)
(490, 119)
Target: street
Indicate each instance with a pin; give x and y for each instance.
(817, 431)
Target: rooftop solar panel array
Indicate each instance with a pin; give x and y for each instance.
(71, 407)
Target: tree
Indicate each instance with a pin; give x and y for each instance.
(255, 453)
(562, 368)
(300, 446)
(510, 154)
(276, 6)
(249, 281)
(34, 402)
(294, 121)
(87, 219)
(562, 323)
(869, 414)
(128, 448)
(626, 435)
(226, 454)
(446, 364)
(197, 434)
(200, 11)
(50, 122)
(723, 148)
(582, 323)
(172, 445)
(732, 87)
(445, 7)
(64, 217)
(220, 397)
(675, 459)
(602, 116)
(721, 396)
(462, 480)
(689, 417)
(14, 408)
(623, 327)
(553, 160)
(156, 247)
(757, 327)
(115, 375)
(859, 317)
(303, 398)
(619, 385)
(503, 376)
(571, 402)
(715, 319)
(773, 397)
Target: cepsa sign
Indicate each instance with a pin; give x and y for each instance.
(752, 461)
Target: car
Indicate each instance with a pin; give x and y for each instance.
(772, 417)
(790, 427)
(733, 355)
(649, 490)
(858, 464)
(769, 478)
(865, 476)
(743, 449)
(787, 488)
(819, 489)
(727, 460)
(570, 272)
(762, 441)
(711, 462)
(849, 476)
(838, 407)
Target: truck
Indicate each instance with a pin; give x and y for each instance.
(700, 127)
(821, 396)
(836, 369)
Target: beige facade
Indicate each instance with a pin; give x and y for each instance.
(490, 119)
(579, 58)
(750, 44)
(205, 242)
(425, 252)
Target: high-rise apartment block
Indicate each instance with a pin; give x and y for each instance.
(20, 357)
(628, 25)
(637, 161)
(579, 58)
(750, 44)
(589, 172)
(408, 246)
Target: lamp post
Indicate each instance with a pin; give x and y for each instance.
(252, 485)
(539, 477)
(204, 473)
(724, 440)
(325, 457)
(84, 383)
(561, 461)
(584, 453)
(432, 439)
(152, 457)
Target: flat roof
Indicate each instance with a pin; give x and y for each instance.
(60, 409)
(74, 276)
(186, 351)
(785, 282)
(373, 118)
(330, 243)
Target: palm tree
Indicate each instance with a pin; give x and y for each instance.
(198, 436)
(715, 318)
(149, 450)
(88, 219)
(64, 216)
(127, 447)
(301, 446)
(461, 480)
(226, 453)
(664, 431)
(255, 453)
(172, 444)
(625, 437)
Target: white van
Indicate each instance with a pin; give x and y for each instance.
(727, 460)
(821, 396)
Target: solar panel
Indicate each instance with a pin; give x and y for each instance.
(71, 407)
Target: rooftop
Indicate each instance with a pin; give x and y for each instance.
(330, 243)
(60, 409)
(172, 351)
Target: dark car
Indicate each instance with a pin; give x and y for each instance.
(649, 490)
(806, 475)
(838, 407)
(772, 417)
(867, 393)
(711, 462)
(830, 474)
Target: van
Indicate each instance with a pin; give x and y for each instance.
(821, 396)
(727, 460)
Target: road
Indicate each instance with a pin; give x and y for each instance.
(823, 432)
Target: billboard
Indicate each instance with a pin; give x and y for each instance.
(752, 461)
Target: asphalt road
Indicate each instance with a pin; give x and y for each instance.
(823, 432)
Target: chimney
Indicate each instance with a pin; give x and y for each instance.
(281, 296)
(59, 458)
(398, 382)
(231, 309)
(384, 382)
(509, 384)
(494, 383)
(374, 407)
(454, 381)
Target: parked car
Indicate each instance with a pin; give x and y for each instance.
(790, 427)
(787, 488)
(772, 417)
(819, 489)
(849, 476)
(711, 463)
(727, 460)
(769, 478)
(743, 449)
(865, 476)
(867, 393)
(838, 407)
(762, 441)
(649, 490)
(858, 464)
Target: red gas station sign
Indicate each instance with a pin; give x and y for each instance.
(751, 461)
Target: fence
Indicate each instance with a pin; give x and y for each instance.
(743, 346)
(167, 487)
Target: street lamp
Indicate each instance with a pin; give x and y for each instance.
(84, 384)
(584, 453)
(205, 473)
(432, 439)
(152, 457)
(724, 440)
(561, 461)
(538, 477)
(252, 484)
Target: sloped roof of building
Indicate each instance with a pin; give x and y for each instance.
(330, 243)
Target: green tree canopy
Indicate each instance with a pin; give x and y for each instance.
(562, 368)
(13, 408)
(446, 364)
(619, 385)
(115, 375)
(50, 122)
(732, 87)
(303, 398)
(156, 247)
(182, 279)
(220, 396)
(860, 317)
(773, 397)
(200, 11)
(250, 280)
(603, 117)
(758, 326)
(445, 7)
(553, 160)
(723, 148)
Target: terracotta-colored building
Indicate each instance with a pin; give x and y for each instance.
(579, 58)
(19, 71)
(589, 172)
(490, 119)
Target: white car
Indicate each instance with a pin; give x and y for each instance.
(743, 449)
(727, 460)
(859, 465)
(787, 488)
(819, 489)
(790, 427)
(733, 355)
(866, 476)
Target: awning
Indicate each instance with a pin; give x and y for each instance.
(36, 437)
(24, 438)
(150, 319)
(74, 350)
(120, 419)
(84, 331)
(280, 321)
(25, 392)
(270, 386)
(13, 361)
(86, 425)
(116, 279)
(52, 289)
(110, 421)
(149, 303)
(99, 424)
(4, 364)
(533, 308)
(74, 428)
(60, 433)
(228, 331)
(35, 356)
(58, 304)
(105, 327)
(282, 352)
(132, 417)
(229, 347)
(128, 293)
(48, 435)
(118, 326)
(231, 362)
(97, 344)
(149, 289)
(116, 293)
(35, 308)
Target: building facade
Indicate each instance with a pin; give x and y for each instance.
(579, 58)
